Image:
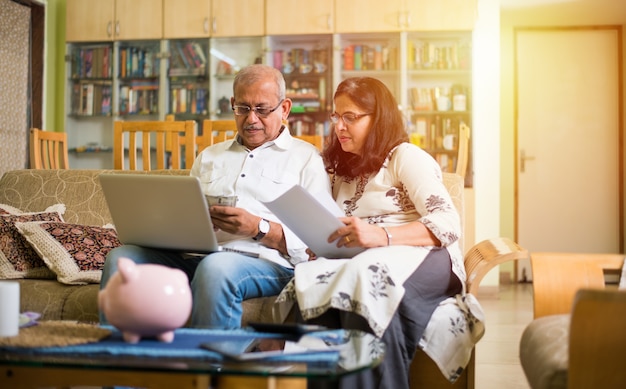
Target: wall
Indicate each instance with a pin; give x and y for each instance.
(14, 43)
(54, 108)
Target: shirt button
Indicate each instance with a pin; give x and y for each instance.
(251, 156)
(243, 175)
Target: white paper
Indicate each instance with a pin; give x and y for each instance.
(312, 221)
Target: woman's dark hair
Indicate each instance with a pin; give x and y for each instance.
(387, 129)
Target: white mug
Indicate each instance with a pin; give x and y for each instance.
(9, 308)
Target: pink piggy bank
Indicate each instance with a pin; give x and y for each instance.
(146, 300)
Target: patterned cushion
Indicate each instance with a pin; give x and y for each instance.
(7, 209)
(17, 258)
(544, 351)
(75, 252)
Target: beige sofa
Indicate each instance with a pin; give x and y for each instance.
(32, 190)
(79, 190)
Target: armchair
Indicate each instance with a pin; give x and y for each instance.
(572, 341)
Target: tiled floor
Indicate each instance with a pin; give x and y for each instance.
(507, 313)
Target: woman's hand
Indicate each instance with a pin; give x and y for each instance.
(358, 233)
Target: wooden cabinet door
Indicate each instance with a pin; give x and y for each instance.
(186, 19)
(89, 21)
(285, 17)
(238, 18)
(369, 15)
(138, 19)
(441, 15)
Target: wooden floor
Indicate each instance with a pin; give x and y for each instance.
(507, 313)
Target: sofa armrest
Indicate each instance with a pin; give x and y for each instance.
(597, 339)
(485, 255)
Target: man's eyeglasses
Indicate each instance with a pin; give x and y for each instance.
(348, 117)
(262, 112)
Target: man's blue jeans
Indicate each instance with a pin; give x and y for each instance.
(219, 281)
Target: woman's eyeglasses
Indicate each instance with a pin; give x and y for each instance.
(262, 112)
(348, 117)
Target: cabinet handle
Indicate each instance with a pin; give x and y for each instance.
(117, 28)
(329, 23)
(522, 160)
(214, 25)
(109, 28)
(206, 25)
(408, 19)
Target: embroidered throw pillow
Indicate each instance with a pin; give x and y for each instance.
(75, 252)
(17, 257)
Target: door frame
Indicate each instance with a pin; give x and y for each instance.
(621, 170)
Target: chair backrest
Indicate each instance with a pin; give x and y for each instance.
(597, 340)
(216, 131)
(48, 149)
(558, 276)
(155, 136)
(315, 140)
(463, 154)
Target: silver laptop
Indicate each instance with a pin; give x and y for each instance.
(161, 211)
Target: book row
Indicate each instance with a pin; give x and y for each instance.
(439, 134)
(439, 98)
(440, 56)
(138, 62)
(92, 62)
(91, 99)
(193, 100)
(187, 56)
(139, 99)
(367, 57)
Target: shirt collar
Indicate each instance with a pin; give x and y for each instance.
(283, 141)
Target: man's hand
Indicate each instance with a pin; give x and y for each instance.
(234, 220)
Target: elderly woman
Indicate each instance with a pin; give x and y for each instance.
(398, 208)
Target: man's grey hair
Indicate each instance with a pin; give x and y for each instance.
(254, 73)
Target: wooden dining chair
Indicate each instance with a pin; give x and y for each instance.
(463, 154)
(215, 131)
(155, 135)
(315, 140)
(48, 149)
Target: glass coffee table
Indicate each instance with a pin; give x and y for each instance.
(151, 364)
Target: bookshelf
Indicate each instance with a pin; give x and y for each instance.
(138, 78)
(227, 56)
(371, 55)
(190, 70)
(439, 82)
(89, 101)
(188, 79)
(306, 64)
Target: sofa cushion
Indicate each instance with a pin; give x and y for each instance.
(544, 351)
(57, 301)
(17, 257)
(74, 252)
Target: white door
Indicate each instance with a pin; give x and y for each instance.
(567, 141)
